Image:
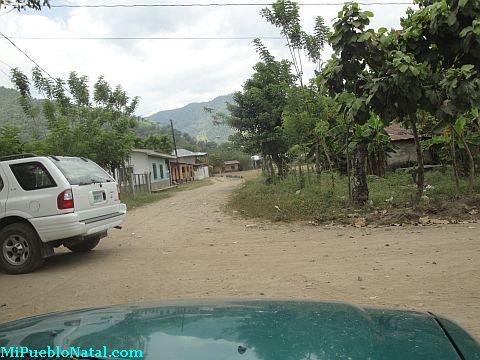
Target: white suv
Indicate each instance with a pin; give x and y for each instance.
(50, 201)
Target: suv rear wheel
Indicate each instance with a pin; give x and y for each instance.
(85, 245)
(19, 249)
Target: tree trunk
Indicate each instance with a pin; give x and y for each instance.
(318, 169)
(420, 167)
(330, 167)
(359, 181)
(300, 174)
(455, 168)
(471, 162)
(348, 168)
(271, 169)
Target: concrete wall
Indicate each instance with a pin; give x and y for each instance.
(142, 163)
(406, 154)
(202, 173)
(139, 162)
(163, 172)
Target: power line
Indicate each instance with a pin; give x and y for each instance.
(8, 12)
(147, 38)
(33, 61)
(8, 77)
(219, 4)
(4, 63)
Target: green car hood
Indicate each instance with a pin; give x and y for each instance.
(247, 329)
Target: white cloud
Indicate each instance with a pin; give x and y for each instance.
(164, 73)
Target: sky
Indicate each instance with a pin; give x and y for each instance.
(165, 74)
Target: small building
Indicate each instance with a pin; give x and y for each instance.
(153, 164)
(187, 166)
(256, 161)
(405, 153)
(231, 165)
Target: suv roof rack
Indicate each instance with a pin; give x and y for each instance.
(17, 156)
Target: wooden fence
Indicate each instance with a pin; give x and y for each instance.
(131, 183)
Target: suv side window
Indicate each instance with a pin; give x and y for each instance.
(32, 176)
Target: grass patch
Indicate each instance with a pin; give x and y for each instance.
(142, 198)
(391, 199)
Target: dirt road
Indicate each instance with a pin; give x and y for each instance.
(186, 247)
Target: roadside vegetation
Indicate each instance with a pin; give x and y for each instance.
(392, 200)
(323, 141)
(140, 198)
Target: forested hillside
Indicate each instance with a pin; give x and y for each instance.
(194, 120)
(11, 113)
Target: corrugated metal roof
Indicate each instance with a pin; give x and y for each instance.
(153, 153)
(397, 132)
(185, 152)
(231, 162)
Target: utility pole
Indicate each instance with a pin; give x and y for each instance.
(175, 146)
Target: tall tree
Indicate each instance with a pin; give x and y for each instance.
(345, 75)
(446, 36)
(10, 142)
(77, 126)
(285, 15)
(256, 113)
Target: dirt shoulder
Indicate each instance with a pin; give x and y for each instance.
(187, 247)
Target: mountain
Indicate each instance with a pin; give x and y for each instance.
(11, 113)
(194, 120)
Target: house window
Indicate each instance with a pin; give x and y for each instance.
(161, 171)
(155, 175)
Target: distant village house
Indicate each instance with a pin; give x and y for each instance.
(231, 165)
(189, 166)
(405, 153)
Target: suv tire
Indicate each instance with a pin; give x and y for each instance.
(85, 245)
(19, 249)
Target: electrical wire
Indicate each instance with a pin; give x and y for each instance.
(8, 12)
(4, 63)
(146, 38)
(33, 61)
(219, 4)
(4, 73)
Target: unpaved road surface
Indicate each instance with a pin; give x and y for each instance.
(186, 247)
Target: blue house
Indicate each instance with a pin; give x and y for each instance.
(153, 163)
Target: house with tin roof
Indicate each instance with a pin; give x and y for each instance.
(405, 153)
(153, 165)
(188, 165)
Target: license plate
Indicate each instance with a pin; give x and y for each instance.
(97, 196)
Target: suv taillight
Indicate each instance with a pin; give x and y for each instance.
(65, 200)
(118, 191)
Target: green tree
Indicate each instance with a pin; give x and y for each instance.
(162, 143)
(10, 142)
(344, 76)
(285, 15)
(98, 128)
(256, 113)
(228, 151)
(24, 4)
(431, 64)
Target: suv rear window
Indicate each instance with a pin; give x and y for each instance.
(32, 176)
(81, 172)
